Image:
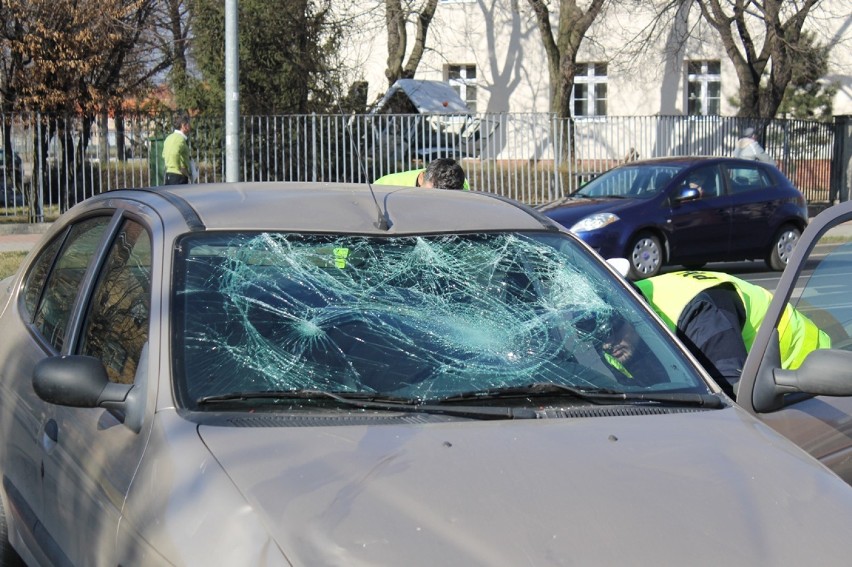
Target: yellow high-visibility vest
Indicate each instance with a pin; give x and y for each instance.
(669, 294)
(407, 179)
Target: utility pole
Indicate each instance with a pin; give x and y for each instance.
(232, 93)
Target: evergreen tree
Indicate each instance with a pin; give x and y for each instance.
(286, 57)
(807, 97)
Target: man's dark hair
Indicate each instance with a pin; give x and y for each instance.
(180, 119)
(444, 173)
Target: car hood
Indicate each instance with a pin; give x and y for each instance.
(711, 487)
(573, 209)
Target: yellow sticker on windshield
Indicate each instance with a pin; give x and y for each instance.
(340, 256)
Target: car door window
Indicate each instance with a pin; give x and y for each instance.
(743, 178)
(706, 180)
(116, 325)
(824, 296)
(60, 289)
(34, 283)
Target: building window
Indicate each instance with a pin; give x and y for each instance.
(589, 96)
(703, 88)
(463, 80)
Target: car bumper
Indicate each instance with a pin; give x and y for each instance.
(607, 243)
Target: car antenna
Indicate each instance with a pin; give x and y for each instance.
(382, 223)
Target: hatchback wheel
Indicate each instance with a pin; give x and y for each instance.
(782, 247)
(645, 255)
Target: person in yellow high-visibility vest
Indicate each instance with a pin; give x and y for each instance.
(717, 315)
(441, 173)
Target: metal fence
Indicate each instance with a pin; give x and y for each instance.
(51, 162)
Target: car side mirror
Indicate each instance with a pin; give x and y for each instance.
(686, 193)
(824, 372)
(78, 381)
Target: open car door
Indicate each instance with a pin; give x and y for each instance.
(811, 404)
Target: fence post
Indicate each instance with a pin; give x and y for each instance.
(156, 163)
(842, 155)
(313, 146)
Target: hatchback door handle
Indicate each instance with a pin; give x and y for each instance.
(51, 430)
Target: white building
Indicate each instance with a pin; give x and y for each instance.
(491, 51)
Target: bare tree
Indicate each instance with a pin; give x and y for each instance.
(763, 40)
(562, 48)
(169, 39)
(72, 55)
(76, 58)
(397, 14)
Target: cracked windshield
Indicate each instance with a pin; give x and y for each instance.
(421, 318)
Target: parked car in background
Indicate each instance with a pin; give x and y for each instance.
(307, 374)
(686, 210)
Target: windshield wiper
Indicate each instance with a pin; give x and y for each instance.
(300, 394)
(599, 196)
(598, 395)
(375, 401)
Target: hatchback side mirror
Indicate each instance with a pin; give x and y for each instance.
(686, 193)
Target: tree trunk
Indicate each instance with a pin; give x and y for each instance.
(395, 19)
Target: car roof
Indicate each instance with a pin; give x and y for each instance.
(341, 207)
(687, 160)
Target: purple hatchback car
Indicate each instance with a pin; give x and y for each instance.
(686, 210)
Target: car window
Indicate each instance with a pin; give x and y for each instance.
(37, 276)
(116, 325)
(60, 289)
(824, 297)
(707, 180)
(742, 178)
(418, 317)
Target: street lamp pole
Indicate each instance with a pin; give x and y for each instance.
(232, 94)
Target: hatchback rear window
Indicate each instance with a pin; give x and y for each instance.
(748, 178)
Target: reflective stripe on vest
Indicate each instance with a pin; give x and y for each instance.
(669, 294)
(615, 363)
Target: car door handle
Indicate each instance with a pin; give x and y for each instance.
(51, 430)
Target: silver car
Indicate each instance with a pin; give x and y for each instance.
(295, 374)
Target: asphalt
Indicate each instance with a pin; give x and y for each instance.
(21, 237)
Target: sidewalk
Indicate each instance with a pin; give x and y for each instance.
(20, 237)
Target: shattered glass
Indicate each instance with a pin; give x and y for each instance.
(421, 317)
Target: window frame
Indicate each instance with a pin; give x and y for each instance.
(464, 85)
(704, 79)
(597, 89)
